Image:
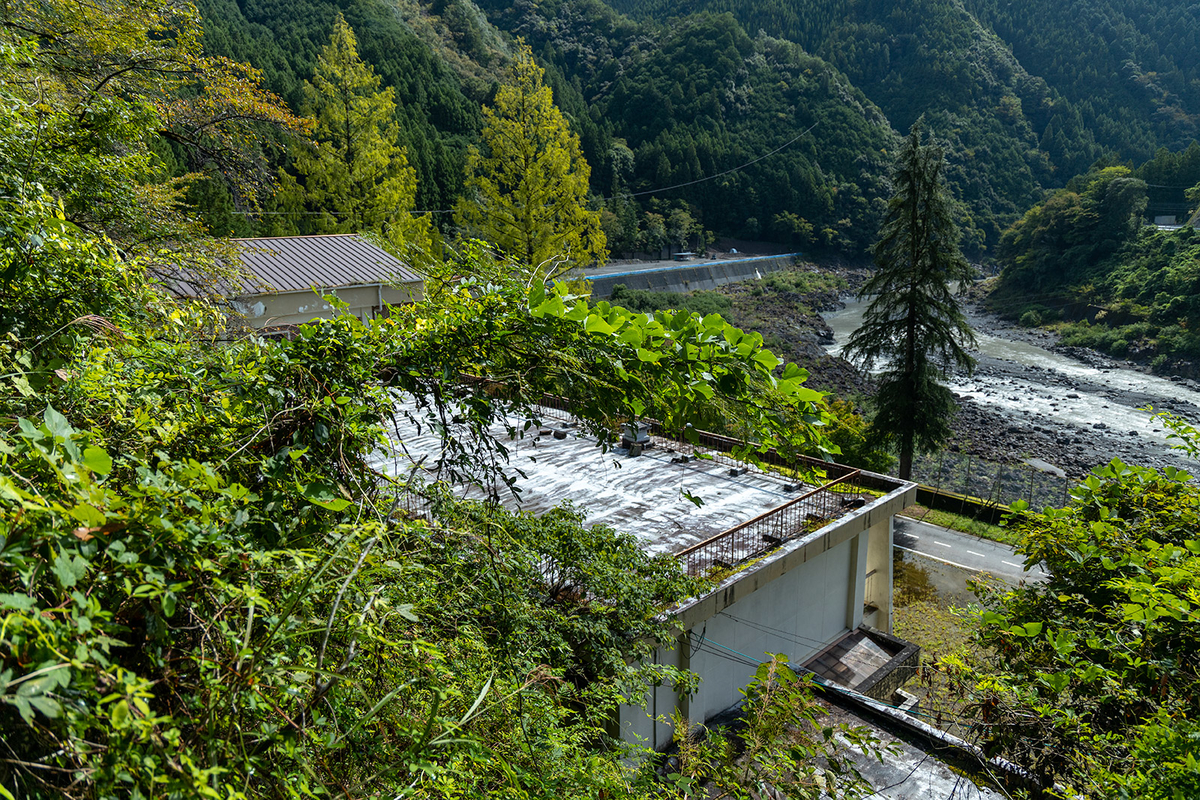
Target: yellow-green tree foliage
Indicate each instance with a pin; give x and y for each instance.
(356, 175)
(527, 183)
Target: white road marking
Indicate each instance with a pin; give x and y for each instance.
(943, 544)
(1011, 564)
(944, 561)
(972, 552)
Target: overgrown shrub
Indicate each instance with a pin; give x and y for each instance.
(702, 302)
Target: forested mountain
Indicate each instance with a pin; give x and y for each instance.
(1128, 71)
(809, 95)
(438, 106)
(704, 99)
(1027, 95)
(926, 57)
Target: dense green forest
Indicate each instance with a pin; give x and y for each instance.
(760, 120)
(438, 110)
(1027, 96)
(1084, 262)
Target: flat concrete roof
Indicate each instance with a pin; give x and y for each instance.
(642, 495)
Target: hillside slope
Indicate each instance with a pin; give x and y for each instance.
(778, 117)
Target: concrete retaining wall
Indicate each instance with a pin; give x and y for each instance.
(690, 276)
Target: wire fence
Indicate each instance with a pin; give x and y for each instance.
(998, 484)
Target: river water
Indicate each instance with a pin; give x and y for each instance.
(1066, 398)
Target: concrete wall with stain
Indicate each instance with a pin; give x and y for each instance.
(295, 308)
(692, 276)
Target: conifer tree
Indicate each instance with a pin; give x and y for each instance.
(357, 176)
(914, 327)
(527, 183)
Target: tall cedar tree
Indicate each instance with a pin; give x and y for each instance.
(527, 185)
(356, 177)
(914, 326)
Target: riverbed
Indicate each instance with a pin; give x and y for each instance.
(1067, 412)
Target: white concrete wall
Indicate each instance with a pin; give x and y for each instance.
(797, 615)
(878, 579)
(796, 602)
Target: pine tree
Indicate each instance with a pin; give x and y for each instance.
(527, 183)
(356, 176)
(914, 327)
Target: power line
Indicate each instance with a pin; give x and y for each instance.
(323, 213)
(753, 662)
(1160, 186)
(789, 142)
(705, 179)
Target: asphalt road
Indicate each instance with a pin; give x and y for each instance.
(963, 551)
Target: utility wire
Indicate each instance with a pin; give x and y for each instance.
(705, 179)
(903, 780)
(330, 213)
(789, 142)
(750, 661)
(793, 637)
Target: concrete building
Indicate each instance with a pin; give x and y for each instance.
(289, 276)
(799, 568)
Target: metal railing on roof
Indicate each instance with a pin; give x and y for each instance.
(754, 537)
(845, 492)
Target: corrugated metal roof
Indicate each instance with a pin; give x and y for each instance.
(301, 263)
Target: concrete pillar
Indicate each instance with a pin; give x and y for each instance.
(683, 646)
(878, 590)
(856, 589)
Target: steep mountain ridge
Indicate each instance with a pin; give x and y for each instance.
(666, 93)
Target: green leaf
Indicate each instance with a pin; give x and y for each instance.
(324, 495)
(89, 515)
(632, 335)
(577, 313)
(119, 716)
(20, 602)
(22, 706)
(49, 708)
(57, 424)
(803, 394)
(792, 372)
(69, 570)
(537, 293)
(767, 359)
(646, 355)
(97, 460)
(596, 324)
(552, 306)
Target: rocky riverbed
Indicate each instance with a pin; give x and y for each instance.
(1021, 429)
(1074, 409)
(1030, 398)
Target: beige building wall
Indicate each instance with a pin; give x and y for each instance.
(295, 308)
